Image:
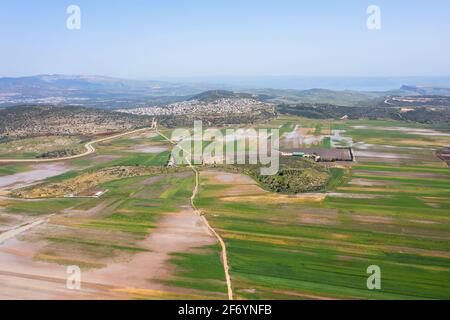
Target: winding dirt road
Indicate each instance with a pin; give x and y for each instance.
(198, 212)
(89, 150)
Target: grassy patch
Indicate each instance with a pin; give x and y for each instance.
(200, 270)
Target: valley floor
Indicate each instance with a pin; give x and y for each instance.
(142, 240)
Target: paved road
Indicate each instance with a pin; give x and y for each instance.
(389, 103)
(89, 150)
(198, 212)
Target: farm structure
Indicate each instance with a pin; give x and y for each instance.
(322, 154)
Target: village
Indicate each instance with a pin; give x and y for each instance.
(220, 106)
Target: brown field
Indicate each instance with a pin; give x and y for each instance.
(240, 187)
(33, 268)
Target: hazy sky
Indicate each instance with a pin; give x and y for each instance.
(185, 38)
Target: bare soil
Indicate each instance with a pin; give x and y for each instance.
(28, 178)
(23, 277)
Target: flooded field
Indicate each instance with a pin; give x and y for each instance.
(420, 132)
(148, 149)
(36, 173)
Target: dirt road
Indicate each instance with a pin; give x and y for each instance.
(198, 212)
(14, 232)
(89, 150)
(48, 280)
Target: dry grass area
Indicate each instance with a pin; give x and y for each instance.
(39, 145)
(239, 187)
(317, 216)
(237, 184)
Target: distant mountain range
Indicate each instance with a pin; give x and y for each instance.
(45, 84)
(213, 95)
(95, 91)
(108, 92)
(426, 91)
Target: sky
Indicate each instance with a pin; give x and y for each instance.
(155, 39)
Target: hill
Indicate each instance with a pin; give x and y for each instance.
(116, 93)
(344, 98)
(425, 90)
(329, 111)
(350, 98)
(92, 91)
(31, 121)
(214, 95)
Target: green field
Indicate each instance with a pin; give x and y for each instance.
(389, 208)
(318, 250)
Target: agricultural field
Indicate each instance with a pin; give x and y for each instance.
(128, 242)
(127, 220)
(11, 169)
(392, 211)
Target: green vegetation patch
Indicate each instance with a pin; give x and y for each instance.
(200, 270)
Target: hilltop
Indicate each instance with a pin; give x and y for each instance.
(29, 121)
(345, 98)
(425, 90)
(214, 95)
